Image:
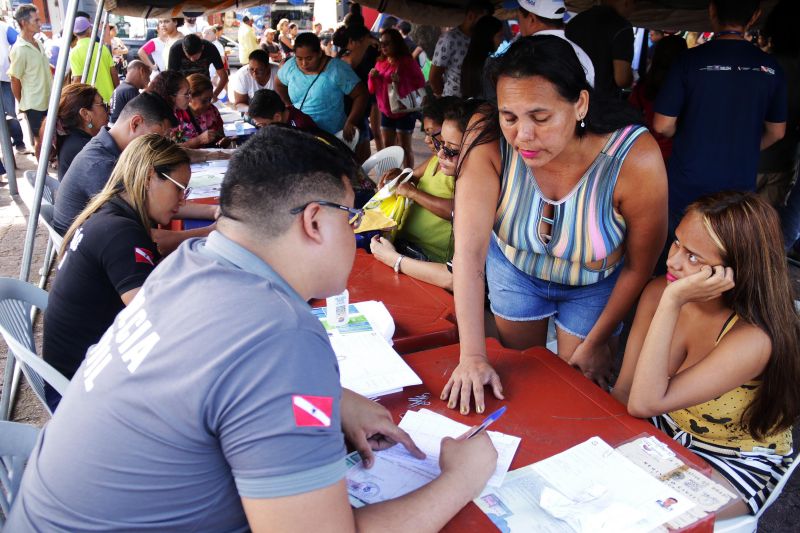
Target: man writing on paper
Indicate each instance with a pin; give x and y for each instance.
(232, 417)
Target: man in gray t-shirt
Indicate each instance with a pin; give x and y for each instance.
(213, 402)
(445, 74)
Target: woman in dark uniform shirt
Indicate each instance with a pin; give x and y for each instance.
(108, 252)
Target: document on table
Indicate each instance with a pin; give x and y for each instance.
(655, 458)
(396, 472)
(368, 364)
(207, 178)
(588, 488)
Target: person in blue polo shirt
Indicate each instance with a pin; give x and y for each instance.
(213, 402)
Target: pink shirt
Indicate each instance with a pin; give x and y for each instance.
(410, 79)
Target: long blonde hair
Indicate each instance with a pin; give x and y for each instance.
(131, 175)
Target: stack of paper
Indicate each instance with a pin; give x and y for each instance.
(396, 472)
(588, 488)
(368, 364)
(207, 178)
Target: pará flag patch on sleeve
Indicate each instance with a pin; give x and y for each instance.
(143, 255)
(312, 411)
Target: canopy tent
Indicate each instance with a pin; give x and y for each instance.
(654, 14)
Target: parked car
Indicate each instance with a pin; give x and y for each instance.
(134, 32)
(231, 51)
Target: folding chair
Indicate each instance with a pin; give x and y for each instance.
(749, 523)
(16, 326)
(386, 159)
(46, 217)
(16, 443)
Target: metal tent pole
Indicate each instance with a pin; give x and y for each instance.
(100, 48)
(8, 153)
(6, 401)
(92, 39)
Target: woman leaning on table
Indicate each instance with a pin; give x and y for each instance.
(563, 212)
(714, 352)
(108, 252)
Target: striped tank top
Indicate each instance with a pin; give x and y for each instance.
(573, 241)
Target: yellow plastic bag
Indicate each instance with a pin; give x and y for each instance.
(386, 203)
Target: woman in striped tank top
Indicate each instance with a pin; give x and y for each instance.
(561, 205)
(714, 351)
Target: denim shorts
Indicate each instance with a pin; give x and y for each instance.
(404, 124)
(520, 297)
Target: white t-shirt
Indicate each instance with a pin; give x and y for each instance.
(244, 83)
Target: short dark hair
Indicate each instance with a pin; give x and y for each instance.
(262, 184)
(245, 19)
(192, 44)
(404, 27)
(259, 55)
(735, 11)
(151, 107)
(265, 103)
(307, 40)
(388, 22)
(24, 12)
(436, 108)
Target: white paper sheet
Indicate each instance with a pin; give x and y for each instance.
(594, 488)
(396, 472)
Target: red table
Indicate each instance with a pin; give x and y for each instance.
(551, 406)
(424, 315)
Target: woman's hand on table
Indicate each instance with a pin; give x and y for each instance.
(383, 250)
(208, 137)
(469, 377)
(368, 426)
(595, 361)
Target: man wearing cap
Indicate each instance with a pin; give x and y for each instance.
(546, 17)
(29, 70)
(107, 77)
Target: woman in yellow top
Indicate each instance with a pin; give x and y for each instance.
(714, 352)
(428, 226)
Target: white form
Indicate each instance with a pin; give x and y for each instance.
(396, 472)
(594, 488)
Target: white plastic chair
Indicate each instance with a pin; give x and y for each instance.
(16, 299)
(749, 523)
(16, 443)
(386, 159)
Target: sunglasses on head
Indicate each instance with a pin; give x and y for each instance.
(449, 153)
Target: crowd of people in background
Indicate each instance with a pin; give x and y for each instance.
(562, 184)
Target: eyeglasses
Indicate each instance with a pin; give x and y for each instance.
(449, 153)
(183, 188)
(103, 105)
(185, 95)
(434, 134)
(355, 214)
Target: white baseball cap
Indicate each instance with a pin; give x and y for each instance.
(549, 9)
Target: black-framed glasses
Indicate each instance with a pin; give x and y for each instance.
(104, 105)
(183, 188)
(449, 153)
(355, 214)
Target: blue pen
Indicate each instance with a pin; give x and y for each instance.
(488, 420)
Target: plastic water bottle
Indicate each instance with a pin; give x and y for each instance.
(336, 311)
(239, 124)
